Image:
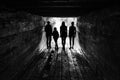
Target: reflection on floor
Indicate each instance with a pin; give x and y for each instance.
(62, 65)
(71, 64)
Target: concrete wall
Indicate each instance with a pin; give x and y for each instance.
(20, 34)
(99, 36)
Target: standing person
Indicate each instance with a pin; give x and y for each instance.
(72, 34)
(48, 30)
(55, 37)
(63, 33)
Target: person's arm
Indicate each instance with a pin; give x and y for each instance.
(75, 31)
(69, 31)
(45, 29)
(58, 33)
(51, 28)
(52, 33)
(66, 32)
(66, 29)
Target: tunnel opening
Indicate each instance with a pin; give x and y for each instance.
(56, 22)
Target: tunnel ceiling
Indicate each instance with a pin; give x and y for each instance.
(57, 7)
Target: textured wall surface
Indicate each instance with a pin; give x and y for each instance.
(20, 34)
(99, 36)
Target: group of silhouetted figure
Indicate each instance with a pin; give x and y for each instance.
(63, 34)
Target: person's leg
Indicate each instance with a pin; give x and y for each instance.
(47, 41)
(56, 45)
(70, 41)
(50, 41)
(73, 41)
(55, 42)
(62, 42)
(65, 40)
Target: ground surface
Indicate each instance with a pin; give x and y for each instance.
(61, 65)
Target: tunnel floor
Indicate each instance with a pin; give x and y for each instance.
(51, 64)
(71, 64)
(61, 65)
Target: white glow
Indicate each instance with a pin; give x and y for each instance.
(56, 22)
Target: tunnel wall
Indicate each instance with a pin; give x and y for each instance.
(99, 36)
(20, 34)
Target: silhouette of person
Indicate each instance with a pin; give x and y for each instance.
(55, 37)
(63, 33)
(72, 34)
(48, 30)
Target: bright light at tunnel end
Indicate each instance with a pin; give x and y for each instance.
(56, 22)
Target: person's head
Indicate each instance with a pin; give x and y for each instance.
(63, 23)
(72, 23)
(48, 22)
(55, 29)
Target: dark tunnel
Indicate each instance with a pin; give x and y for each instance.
(23, 52)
